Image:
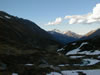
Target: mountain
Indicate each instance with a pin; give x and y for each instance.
(24, 34)
(25, 48)
(90, 44)
(91, 34)
(64, 37)
(83, 53)
(94, 33)
(72, 34)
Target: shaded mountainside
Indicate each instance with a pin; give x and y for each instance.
(83, 45)
(23, 33)
(83, 53)
(25, 48)
(65, 37)
(89, 42)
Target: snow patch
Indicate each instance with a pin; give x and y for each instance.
(29, 64)
(7, 17)
(76, 72)
(61, 65)
(62, 49)
(14, 73)
(75, 51)
(84, 43)
(91, 61)
(86, 52)
(73, 43)
(75, 57)
(96, 52)
(54, 73)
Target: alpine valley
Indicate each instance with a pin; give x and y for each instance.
(27, 49)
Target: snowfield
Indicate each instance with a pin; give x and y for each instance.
(77, 72)
(96, 52)
(91, 61)
(77, 51)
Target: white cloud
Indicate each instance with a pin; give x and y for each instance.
(92, 17)
(57, 21)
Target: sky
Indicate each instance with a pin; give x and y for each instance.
(80, 16)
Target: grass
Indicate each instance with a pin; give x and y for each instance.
(16, 58)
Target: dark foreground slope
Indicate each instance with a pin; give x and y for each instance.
(23, 33)
(25, 48)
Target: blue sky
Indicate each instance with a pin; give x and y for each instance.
(44, 11)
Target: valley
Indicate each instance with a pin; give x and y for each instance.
(27, 49)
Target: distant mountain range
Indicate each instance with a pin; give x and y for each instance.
(64, 37)
(69, 36)
(72, 34)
